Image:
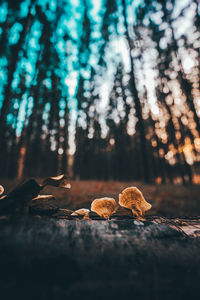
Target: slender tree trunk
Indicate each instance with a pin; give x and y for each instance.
(4, 36)
(29, 165)
(174, 140)
(64, 161)
(7, 96)
(13, 64)
(161, 161)
(138, 107)
(184, 83)
(187, 89)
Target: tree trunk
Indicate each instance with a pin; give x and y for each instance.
(138, 107)
(7, 98)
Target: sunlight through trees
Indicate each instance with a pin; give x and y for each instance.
(106, 90)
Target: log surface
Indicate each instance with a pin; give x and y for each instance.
(64, 258)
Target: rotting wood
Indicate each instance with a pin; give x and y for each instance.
(92, 259)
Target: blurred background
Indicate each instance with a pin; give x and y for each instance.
(100, 89)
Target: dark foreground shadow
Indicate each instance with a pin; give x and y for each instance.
(48, 259)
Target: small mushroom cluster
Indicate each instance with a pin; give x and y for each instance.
(130, 198)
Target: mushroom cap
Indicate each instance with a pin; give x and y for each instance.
(44, 197)
(132, 198)
(58, 181)
(81, 212)
(104, 207)
(1, 189)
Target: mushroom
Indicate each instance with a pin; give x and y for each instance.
(58, 181)
(1, 189)
(133, 199)
(81, 212)
(44, 198)
(104, 207)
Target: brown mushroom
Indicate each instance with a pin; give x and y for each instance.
(1, 189)
(104, 207)
(58, 181)
(81, 212)
(133, 199)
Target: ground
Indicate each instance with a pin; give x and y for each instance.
(166, 200)
(48, 258)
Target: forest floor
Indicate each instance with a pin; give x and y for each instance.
(48, 258)
(167, 200)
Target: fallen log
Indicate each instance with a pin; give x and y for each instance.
(51, 258)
